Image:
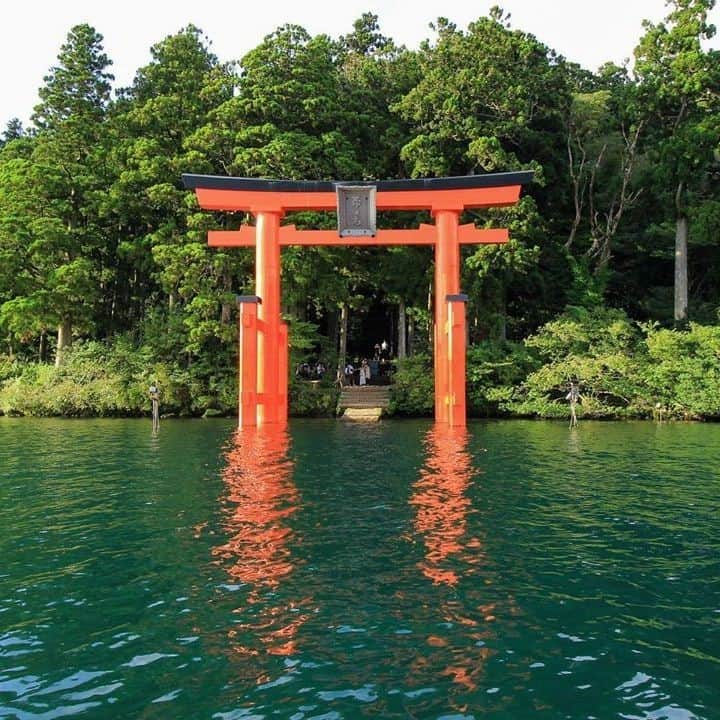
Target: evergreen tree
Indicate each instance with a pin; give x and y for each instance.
(57, 194)
(161, 245)
(13, 131)
(679, 90)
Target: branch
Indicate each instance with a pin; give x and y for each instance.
(578, 190)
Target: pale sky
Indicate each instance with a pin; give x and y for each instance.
(589, 32)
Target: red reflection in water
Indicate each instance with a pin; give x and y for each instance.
(262, 496)
(442, 507)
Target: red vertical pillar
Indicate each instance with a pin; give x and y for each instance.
(447, 282)
(457, 412)
(247, 369)
(283, 373)
(267, 287)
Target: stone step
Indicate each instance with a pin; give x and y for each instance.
(364, 393)
(364, 405)
(364, 397)
(358, 406)
(369, 389)
(362, 414)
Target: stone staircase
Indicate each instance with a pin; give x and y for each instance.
(365, 402)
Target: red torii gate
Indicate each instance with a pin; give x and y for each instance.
(263, 365)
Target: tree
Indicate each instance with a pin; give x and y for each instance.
(290, 116)
(60, 187)
(602, 146)
(13, 131)
(296, 115)
(19, 303)
(679, 88)
(376, 74)
(161, 245)
(491, 99)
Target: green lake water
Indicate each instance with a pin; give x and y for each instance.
(519, 570)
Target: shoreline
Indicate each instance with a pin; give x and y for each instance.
(394, 418)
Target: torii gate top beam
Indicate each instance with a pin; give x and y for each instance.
(215, 192)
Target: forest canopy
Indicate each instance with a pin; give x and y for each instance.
(105, 274)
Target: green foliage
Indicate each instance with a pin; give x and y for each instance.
(312, 398)
(598, 348)
(99, 237)
(83, 386)
(624, 370)
(675, 76)
(683, 371)
(98, 379)
(9, 368)
(586, 288)
(485, 101)
(493, 369)
(13, 131)
(413, 389)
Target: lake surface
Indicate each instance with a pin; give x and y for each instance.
(344, 571)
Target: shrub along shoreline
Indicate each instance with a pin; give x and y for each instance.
(625, 370)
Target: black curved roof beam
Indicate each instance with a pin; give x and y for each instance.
(460, 182)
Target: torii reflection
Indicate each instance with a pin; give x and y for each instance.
(451, 553)
(262, 496)
(442, 506)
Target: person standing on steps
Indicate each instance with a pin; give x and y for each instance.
(364, 373)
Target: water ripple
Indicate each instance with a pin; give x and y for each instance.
(341, 571)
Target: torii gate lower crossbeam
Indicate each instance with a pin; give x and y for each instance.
(263, 364)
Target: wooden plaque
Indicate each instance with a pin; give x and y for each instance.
(356, 210)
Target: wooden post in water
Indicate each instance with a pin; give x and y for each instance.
(155, 401)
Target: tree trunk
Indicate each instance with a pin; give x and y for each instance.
(226, 308)
(681, 276)
(431, 317)
(604, 259)
(342, 356)
(502, 327)
(402, 332)
(502, 315)
(64, 341)
(411, 336)
(333, 328)
(392, 332)
(42, 352)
